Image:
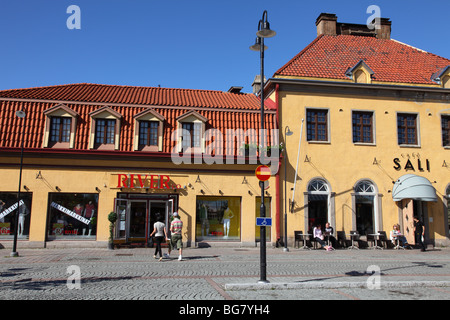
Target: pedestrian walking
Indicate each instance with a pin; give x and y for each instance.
(159, 230)
(176, 239)
(419, 233)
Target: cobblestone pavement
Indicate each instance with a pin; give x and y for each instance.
(224, 274)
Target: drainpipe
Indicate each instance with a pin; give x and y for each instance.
(277, 176)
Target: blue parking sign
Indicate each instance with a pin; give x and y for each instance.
(263, 222)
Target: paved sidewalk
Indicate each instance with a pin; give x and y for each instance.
(224, 274)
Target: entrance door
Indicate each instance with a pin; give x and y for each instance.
(317, 211)
(365, 215)
(137, 220)
(137, 217)
(408, 222)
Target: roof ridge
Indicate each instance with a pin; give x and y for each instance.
(125, 86)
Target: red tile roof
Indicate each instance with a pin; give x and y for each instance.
(100, 93)
(222, 109)
(391, 61)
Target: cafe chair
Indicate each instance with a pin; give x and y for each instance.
(384, 239)
(370, 239)
(297, 238)
(342, 239)
(312, 239)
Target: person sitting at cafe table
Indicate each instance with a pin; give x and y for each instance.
(329, 232)
(396, 234)
(318, 236)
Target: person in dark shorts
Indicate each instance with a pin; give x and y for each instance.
(176, 239)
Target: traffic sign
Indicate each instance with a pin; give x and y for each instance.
(263, 173)
(263, 222)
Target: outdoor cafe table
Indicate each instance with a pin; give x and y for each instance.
(304, 241)
(376, 236)
(352, 236)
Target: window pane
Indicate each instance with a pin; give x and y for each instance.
(72, 215)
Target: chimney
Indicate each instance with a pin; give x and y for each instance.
(385, 29)
(257, 84)
(326, 24)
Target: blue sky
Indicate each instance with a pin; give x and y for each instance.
(196, 44)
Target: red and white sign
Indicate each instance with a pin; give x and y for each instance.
(263, 173)
(145, 181)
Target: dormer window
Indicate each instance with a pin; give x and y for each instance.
(60, 129)
(360, 73)
(60, 125)
(148, 131)
(105, 129)
(442, 77)
(191, 129)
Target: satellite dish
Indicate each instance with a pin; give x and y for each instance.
(21, 114)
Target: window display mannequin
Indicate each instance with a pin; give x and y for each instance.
(204, 219)
(78, 209)
(89, 212)
(227, 216)
(23, 212)
(2, 220)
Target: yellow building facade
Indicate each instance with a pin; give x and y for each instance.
(83, 160)
(372, 124)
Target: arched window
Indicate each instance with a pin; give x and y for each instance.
(318, 199)
(365, 187)
(318, 186)
(366, 212)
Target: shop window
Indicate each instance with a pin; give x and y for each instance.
(60, 125)
(8, 209)
(72, 216)
(445, 124)
(148, 128)
(407, 129)
(317, 125)
(105, 129)
(218, 218)
(362, 127)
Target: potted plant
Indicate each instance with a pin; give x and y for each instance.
(279, 147)
(112, 218)
(248, 149)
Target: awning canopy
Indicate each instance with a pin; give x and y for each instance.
(411, 186)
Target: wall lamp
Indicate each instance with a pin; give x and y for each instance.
(58, 189)
(98, 189)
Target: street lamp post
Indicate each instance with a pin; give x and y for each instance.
(21, 115)
(287, 132)
(263, 32)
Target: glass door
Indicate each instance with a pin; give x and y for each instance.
(121, 223)
(137, 219)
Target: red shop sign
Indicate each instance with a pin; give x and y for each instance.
(145, 181)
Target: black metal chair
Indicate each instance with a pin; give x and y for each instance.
(384, 239)
(297, 237)
(312, 240)
(370, 239)
(342, 239)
